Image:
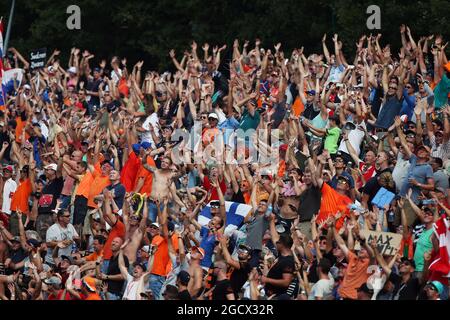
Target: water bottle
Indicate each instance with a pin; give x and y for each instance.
(391, 216)
(74, 247)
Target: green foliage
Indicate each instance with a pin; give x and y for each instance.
(149, 29)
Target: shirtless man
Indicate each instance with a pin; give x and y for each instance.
(196, 271)
(135, 226)
(162, 184)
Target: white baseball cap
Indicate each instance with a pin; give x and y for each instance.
(51, 166)
(213, 115)
(73, 70)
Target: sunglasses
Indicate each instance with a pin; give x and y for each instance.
(393, 88)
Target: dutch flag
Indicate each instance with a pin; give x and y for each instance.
(236, 212)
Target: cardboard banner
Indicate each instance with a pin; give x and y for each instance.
(38, 58)
(387, 243)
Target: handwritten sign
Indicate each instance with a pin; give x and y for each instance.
(387, 243)
(38, 58)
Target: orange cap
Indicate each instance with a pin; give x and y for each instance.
(447, 67)
(89, 282)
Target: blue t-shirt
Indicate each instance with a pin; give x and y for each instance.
(389, 110)
(208, 244)
(420, 172)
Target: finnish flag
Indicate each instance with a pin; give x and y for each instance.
(236, 213)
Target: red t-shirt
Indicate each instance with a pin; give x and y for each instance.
(207, 185)
(367, 171)
(129, 171)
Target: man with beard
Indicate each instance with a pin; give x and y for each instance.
(113, 276)
(309, 203)
(135, 283)
(240, 268)
(406, 286)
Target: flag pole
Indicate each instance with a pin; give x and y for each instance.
(8, 31)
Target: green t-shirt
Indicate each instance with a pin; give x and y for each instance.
(331, 140)
(423, 245)
(248, 121)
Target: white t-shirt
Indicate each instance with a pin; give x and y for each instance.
(115, 76)
(57, 233)
(355, 138)
(131, 289)
(153, 120)
(8, 191)
(322, 289)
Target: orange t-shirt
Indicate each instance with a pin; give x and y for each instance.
(332, 203)
(161, 263)
(117, 231)
(94, 256)
(356, 275)
(98, 184)
(93, 296)
(85, 185)
(19, 129)
(19, 199)
(147, 175)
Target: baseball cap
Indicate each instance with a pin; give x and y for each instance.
(147, 293)
(146, 145)
(345, 178)
(410, 261)
(9, 168)
(201, 250)
(311, 92)
(64, 257)
(437, 285)
(89, 282)
(184, 277)
(245, 247)
(146, 249)
(27, 87)
(447, 67)
(52, 281)
(213, 115)
(34, 243)
(51, 166)
(408, 132)
(72, 70)
(138, 264)
(156, 224)
(215, 204)
(136, 147)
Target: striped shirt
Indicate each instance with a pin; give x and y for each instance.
(442, 151)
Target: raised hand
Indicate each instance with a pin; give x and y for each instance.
(205, 47)
(402, 28)
(277, 47)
